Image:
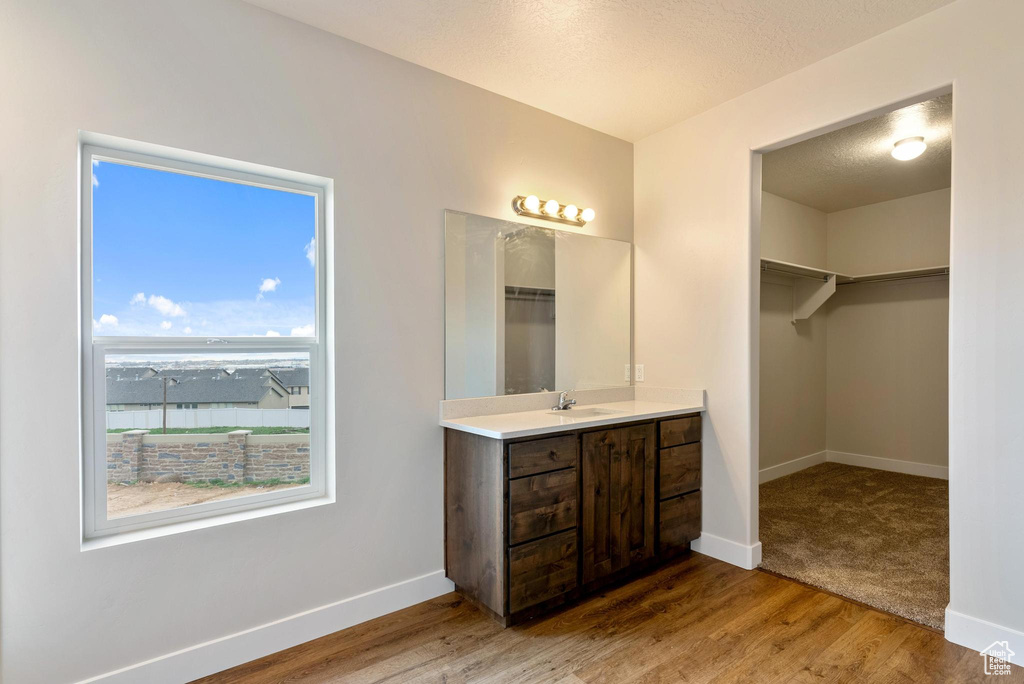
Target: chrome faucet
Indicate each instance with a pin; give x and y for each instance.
(564, 403)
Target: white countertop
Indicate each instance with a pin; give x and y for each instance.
(546, 421)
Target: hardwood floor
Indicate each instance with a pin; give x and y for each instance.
(697, 620)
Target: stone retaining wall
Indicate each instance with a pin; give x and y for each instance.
(238, 456)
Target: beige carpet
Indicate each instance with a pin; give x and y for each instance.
(876, 537)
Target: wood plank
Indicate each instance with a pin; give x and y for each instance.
(679, 522)
(639, 530)
(619, 471)
(679, 470)
(596, 464)
(542, 569)
(679, 431)
(541, 455)
(695, 620)
(474, 519)
(541, 504)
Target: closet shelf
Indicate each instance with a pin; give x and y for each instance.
(818, 285)
(798, 270)
(893, 275)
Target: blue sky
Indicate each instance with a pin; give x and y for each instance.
(182, 255)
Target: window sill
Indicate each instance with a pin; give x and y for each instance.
(128, 537)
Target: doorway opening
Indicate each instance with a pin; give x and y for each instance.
(853, 360)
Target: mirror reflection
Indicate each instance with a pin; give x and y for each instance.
(531, 309)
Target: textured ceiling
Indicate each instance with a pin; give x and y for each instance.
(853, 166)
(625, 67)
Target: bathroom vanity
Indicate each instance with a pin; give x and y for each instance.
(541, 505)
(544, 506)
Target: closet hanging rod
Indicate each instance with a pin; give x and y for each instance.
(766, 267)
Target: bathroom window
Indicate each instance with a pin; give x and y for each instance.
(203, 291)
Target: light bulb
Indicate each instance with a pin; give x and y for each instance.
(551, 208)
(908, 148)
(587, 215)
(570, 212)
(532, 203)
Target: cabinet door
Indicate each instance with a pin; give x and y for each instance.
(618, 499)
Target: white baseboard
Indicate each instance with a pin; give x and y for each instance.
(890, 464)
(745, 556)
(977, 634)
(876, 462)
(790, 467)
(219, 654)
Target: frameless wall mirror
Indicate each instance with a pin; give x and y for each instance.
(531, 309)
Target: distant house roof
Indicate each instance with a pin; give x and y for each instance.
(292, 377)
(134, 385)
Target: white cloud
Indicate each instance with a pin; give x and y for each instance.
(269, 284)
(108, 320)
(311, 252)
(233, 317)
(303, 331)
(165, 306)
(166, 325)
(272, 333)
(137, 299)
(95, 181)
(187, 330)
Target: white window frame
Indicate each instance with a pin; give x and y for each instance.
(95, 348)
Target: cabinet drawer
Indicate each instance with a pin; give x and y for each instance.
(679, 431)
(541, 570)
(541, 455)
(541, 504)
(680, 522)
(680, 470)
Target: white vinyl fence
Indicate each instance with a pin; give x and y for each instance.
(200, 418)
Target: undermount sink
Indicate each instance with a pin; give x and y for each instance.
(589, 412)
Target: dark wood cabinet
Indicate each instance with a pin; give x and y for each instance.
(618, 499)
(541, 570)
(531, 523)
(541, 504)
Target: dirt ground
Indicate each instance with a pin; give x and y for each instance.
(146, 497)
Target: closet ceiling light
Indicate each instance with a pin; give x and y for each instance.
(551, 210)
(908, 148)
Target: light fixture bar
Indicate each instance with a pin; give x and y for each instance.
(551, 210)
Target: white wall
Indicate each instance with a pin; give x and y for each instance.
(474, 305)
(793, 232)
(402, 143)
(901, 234)
(530, 259)
(883, 391)
(793, 388)
(792, 391)
(888, 342)
(887, 379)
(592, 312)
(697, 288)
(152, 419)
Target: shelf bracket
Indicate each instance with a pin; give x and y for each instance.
(809, 295)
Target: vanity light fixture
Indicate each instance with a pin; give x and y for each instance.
(551, 210)
(908, 148)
